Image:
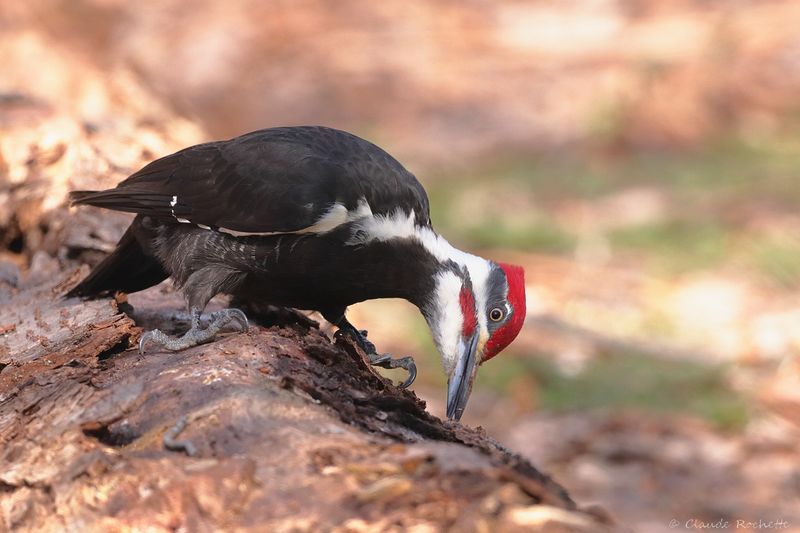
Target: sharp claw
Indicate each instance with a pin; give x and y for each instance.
(240, 317)
(375, 359)
(407, 363)
(412, 373)
(196, 335)
(224, 318)
(143, 340)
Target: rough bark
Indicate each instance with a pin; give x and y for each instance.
(284, 431)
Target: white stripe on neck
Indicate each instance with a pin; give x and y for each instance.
(401, 225)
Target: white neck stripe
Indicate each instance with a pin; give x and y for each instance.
(402, 225)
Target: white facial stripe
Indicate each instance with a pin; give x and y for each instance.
(401, 225)
(446, 324)
(334, 217)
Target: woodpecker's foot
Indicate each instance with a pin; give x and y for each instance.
(382, 360)
(386, 361)
(360, 336)
(196, 334)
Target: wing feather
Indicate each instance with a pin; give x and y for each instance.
(278, 180)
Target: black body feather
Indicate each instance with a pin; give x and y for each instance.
(278, 180)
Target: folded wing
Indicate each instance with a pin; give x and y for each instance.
(279, 180)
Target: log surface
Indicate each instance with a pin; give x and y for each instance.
(288, 432)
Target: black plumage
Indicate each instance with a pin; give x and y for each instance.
(271, 182)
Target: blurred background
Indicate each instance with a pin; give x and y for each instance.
(640, 158)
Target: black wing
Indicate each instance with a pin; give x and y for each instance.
(268, 181)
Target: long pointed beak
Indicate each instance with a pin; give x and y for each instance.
(459, 386)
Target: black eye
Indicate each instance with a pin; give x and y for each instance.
(496, 314)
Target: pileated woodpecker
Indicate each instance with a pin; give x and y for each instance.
(311, 218)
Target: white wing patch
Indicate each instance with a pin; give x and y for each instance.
(334, 217)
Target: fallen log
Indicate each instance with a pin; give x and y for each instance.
(275, 429)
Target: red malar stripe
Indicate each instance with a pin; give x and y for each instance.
(467, 301)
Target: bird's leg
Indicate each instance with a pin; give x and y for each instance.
(375, 359)
(196, 334)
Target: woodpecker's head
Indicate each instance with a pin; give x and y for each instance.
(477, 308)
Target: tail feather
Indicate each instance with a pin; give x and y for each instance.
(128, 269)
(128, 200)
(80, 197)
